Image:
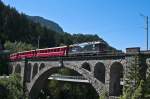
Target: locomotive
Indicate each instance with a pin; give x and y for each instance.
(87, 48)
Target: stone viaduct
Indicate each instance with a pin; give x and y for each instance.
(103, 72)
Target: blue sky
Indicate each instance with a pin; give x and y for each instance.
(116, 21)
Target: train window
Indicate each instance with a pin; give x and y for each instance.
(55, 50)
(62, 49)
(43, 51)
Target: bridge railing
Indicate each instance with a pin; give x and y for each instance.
(145, 52)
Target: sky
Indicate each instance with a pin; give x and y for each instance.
(119, 22)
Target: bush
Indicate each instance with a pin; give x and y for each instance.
(11, 87)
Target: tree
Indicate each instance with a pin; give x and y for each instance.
(146, 88)
(104, 95)
(138, 92)
(133, 87)
(12, 87)
(3, 65)
(18, 46)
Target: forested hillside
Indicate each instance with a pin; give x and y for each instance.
(17, 27)
(47, 23)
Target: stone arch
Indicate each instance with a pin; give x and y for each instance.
(99, 72)
(41, 66)
(35, 70)
(116, 73)
(86, 66)
(18, 68)
(28, 72)
(37, 82)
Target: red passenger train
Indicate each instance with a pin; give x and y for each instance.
(46, 52)
(88, 48)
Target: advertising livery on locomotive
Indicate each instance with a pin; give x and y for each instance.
(87, 48)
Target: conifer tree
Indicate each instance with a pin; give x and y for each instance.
(133, 83)
(146, 90)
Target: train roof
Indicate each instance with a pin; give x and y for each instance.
(87, 43)
(22, 52)
(52, 48)
(39, 49)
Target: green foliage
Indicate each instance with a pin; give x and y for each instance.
(79, 38)
(126, 94)
(18, 46)
(46, 23)
(3, 65)
(146, 90)
(12, 87)
(138, 92)
(104, 94)
(133, 87)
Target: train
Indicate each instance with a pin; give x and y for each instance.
(86, 48)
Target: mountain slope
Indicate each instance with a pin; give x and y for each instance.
(47, 23)
(15, 26)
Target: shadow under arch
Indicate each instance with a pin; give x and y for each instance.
(116, 73)
(41, 79)
(10, 69)
(99, 72)
(18, 68)
(42, 65)
(86, 66)
(28, 72)
(35, 70)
